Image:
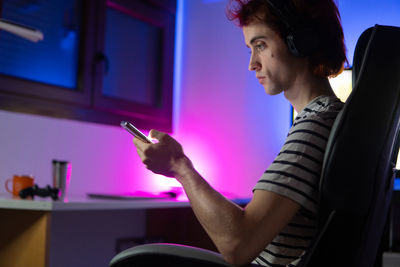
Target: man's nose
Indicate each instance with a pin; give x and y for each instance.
(253, 64)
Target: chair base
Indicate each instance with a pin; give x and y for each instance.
(168, 255)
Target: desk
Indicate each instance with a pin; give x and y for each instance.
(81, 232)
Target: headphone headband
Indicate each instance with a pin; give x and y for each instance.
(301, 40)
(285, 11)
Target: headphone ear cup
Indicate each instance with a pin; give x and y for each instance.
(302, 42)
(291, 44)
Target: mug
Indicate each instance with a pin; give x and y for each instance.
(19, 182)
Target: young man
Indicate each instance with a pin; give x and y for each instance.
(278, 224)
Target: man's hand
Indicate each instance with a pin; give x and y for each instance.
(165, 157)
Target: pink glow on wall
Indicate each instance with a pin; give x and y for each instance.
(200, 156)
(161, 183)
(199, 150)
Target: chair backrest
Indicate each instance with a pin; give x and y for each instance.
(357, 176)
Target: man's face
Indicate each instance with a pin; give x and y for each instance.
(270, 59)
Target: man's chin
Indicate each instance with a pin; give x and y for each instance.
(272, 92)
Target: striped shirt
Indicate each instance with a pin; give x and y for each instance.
(295, 174)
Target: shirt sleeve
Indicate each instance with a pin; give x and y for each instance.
(295, 172)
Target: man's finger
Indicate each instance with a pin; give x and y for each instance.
(156, 134)
(141, 154)
(140, 144)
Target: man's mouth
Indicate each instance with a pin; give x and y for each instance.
(260, 79)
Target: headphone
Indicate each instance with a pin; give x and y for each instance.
(301, 40)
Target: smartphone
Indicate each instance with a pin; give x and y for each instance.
(135, 132)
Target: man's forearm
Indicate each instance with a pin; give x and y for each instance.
(222, 219)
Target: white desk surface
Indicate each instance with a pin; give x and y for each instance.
(85, 203)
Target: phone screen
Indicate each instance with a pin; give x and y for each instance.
(134, 131)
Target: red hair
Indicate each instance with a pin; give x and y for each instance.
(322, 15)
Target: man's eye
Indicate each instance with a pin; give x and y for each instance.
(259, 47)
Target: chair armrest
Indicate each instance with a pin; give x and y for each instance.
(168, 255)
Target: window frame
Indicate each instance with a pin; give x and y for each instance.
(86, 102)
